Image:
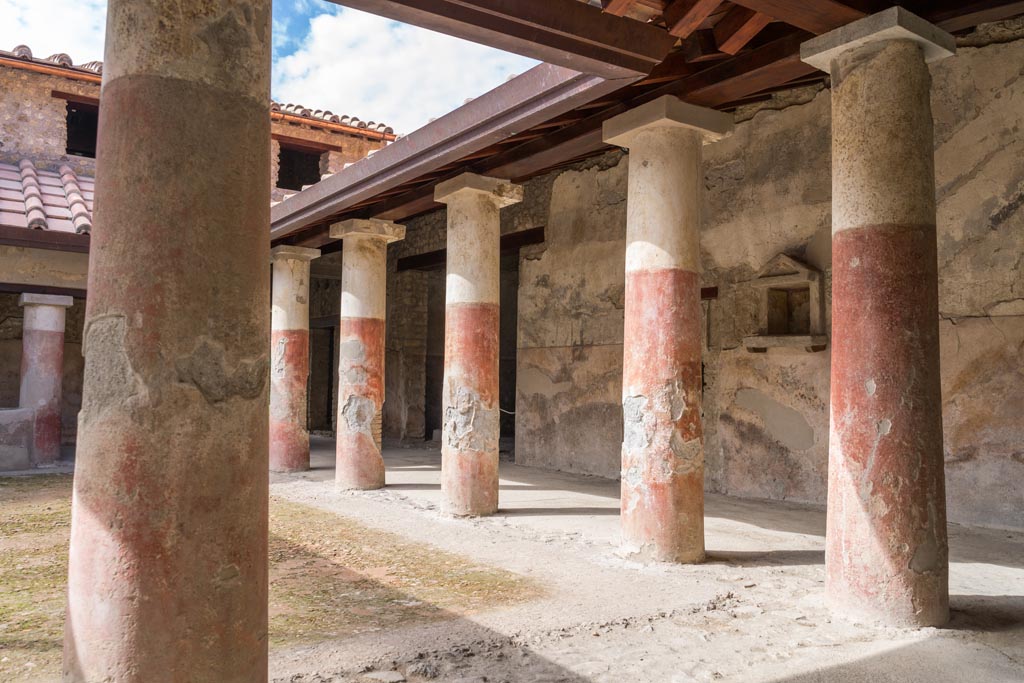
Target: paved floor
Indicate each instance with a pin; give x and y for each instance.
(753, 613)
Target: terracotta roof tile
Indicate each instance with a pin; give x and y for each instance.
(45, 200)
(63, 60)
(328, 116)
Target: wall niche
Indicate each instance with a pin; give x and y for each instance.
(791, 307)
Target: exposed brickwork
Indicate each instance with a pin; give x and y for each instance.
(406, 349)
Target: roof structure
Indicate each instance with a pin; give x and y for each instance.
(61, 64)
(60, 200)
(603, 58)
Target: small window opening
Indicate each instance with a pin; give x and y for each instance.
(82, 121)
(297, 168)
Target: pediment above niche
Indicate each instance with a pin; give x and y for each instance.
(791, 307)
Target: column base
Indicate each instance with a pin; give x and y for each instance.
(360, 466)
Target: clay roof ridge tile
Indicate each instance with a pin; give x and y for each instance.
(34, 212)
(76, 200)
(61, 58)
(296, 109)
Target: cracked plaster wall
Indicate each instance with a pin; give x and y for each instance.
(768, 192)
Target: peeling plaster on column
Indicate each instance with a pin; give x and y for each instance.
(359, 463)
(42, 371)
(289, 337)
(169, 512)
(662, 446)
(469, 449)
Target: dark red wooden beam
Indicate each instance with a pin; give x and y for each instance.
(618, 7)
(738, 27)
(564, 32)
(970, 13)
(43, 239)
(683, 17)
(816, 16)
(531, 98)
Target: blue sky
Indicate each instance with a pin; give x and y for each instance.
(325, 57)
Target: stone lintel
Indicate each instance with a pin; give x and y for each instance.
(667, 111)
(287, 252)
(28, 299)
(503, 192)
(894, 23)
(373, 227)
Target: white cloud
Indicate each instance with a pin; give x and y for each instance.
(51, 26)
(349, 62)
(362, 65)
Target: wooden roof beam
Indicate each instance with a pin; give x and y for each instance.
(683, 17)
(536, 96)
(567, 33)
(970, 13)
(618, 7)
(738, 27)
(818, 16)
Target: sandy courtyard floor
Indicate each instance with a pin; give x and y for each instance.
(378, 586)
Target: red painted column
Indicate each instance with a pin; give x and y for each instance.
(886, 551)
(662, 446)
(469, 447)
(42, 371)
(289, 358)
(361, 350)
(167, 571)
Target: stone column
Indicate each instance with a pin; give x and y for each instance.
(42, 371)
(289, 358)
(469, 443)
(886, 552)
(168, 558)
(361, 350)
(662, 447)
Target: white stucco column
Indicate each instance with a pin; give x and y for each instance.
(289, 357)
(361, 349)
(42, 371)
(662, 447)
(469, 447)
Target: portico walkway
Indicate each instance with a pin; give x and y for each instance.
(754, 612)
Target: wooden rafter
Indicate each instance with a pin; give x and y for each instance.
(683, 17)
(618, 7)
(816, 16)
(699, 47)
(738, 27)
(568, 33)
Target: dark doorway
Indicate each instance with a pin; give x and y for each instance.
(322, 374)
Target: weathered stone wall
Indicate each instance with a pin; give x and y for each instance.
(405, 351)
(769, 193)
(11, 315)
(33, 125)
(32, 120)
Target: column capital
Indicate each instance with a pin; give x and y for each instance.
(667, 111)
(501, 191)
(28, 299)
(894, 23)
(370, 227)
(287, 252)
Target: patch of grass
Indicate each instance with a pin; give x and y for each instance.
(330, 577)
(35, 519)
